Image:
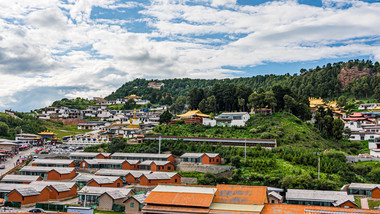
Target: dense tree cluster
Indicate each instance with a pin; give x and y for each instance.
(78, 103)
(10, 126)
(327, 125)
(317, 82)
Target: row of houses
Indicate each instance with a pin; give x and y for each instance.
(246, 199)
(132, 160)
(101, 112)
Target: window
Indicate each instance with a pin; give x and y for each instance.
(175, 180)
(169, 168)
(273, 202)
(132, 204)
(217, 160)
(118, 184)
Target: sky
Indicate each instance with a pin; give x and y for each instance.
(54, 49)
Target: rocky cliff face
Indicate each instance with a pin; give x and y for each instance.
(346, 75)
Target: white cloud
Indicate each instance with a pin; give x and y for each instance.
(56, 45)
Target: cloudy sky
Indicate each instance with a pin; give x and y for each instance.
(50, 49)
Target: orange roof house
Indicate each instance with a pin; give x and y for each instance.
(296, 209)
(226, 199)
(179, 199)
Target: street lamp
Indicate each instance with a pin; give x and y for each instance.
(85, 191)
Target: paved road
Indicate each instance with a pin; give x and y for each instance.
(364, 202)
(10, 163)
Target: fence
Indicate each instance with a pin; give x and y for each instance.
(55, 207)
(12, 204)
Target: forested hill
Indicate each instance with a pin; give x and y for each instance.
(359, 78)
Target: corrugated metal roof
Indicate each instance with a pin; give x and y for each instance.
(100, 190)
(179, 199)
(158, 163)
(52, 161)
(84, 154)
(363, 186)
(317, 195)
(88, 177)
(276, 195)
(140, 155)
(115, 194)
(185, 189)
(59, 186)
(174, 209)
(60, 170)
(236, 207)
(192, 155)
(120, 172)
(105, 180)
(19, 178)
(240, 194)
(104, 161)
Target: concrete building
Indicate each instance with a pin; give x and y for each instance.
(201, 158)
(228, 119)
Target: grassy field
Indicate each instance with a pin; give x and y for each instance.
(373, 203)
(63, 130)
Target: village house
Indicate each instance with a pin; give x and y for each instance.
(206, 199)
(27, 138)
(113, 172)
(20, 179)
(275, 198)
(355, 121)
(8, 146)
(94, 125)
(163, 166)
(59, 190)
(364, 106)
(79, 156)
(156, 178)
(201, 158)
(320, 198)
(228, 119)
(362, 189)
(98, 181)
(133, 177)
(135, 203)
(53, 163)
(25, 193)
(155, 85)
(192, 116)
(109, 164)
(143, 157)
(92, 195)
(50, 173)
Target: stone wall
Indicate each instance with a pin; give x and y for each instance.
(355, 159)
(215, 169)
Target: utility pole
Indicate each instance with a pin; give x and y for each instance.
(245, 149)
(319, 166)
(159, 145)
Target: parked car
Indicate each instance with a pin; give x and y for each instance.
(2, 166)
(37, 210)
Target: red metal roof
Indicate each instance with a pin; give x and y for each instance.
(231, 212)
(179, 199)
(240, 194)
(174, 209)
